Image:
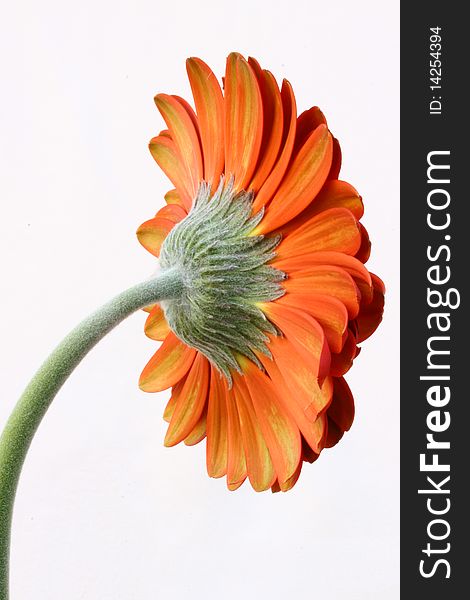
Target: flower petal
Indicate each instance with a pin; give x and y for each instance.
(334, 230)
(307, 122)
(336, 161)
(172, 197)
(370, 315)
(173, 212)
(258, 460)
(191, 114)
(185, 137)
(287, 485)
(338, 194)
(171, 404)
(302, 182)
(305, 335)
(350, 264)
(364, 250)
(243, 120)
(156, 326)
(152, 234)
(165, 153)
(313, 429)
(217, 427)
(236, 464)
(280, 432)
(209, 103)
(149, 308)
(340, 412)
(199, 431)
(167, 366)
(191, 402)
(272, 125)
(341, 409)
(342, 361)
(328, 280)
(271, 184)
(334, 194)
(330, 313)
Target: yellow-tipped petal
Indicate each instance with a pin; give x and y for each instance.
(279, 429)
(180, 124)
(191, 402)
(236, 464)
(303, 180)
(258, 460)
(156, 327)
(168, 365)
(217, 424)
(210, 112)
(243, 120)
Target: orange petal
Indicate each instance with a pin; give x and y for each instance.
(307, 122)
(313, 429)
(165, 153)
(217, 434)
(172, 212)
(236, 464)
(192, 115)
(308, 455)
(302, 182)
(330, 313)
(171, 404)
(279, 430)
(370, 315)
(336, 161)
(364, 250)
(365, 289)
(149, 308)
(305, 335)
(342, 361)
(334, 230)
(183, 132)
(329, 280)
(303, 383)
(272, 125)
(349, 263)
(258, 460)
(341, 409)
(167, 366)
(334, 194)
(210, 111)
(199, 431)
(338, 194)
(191, 402)
(156, 326)
(340, 412)
(152, 234)
(271, 184)
(243, 120)
(289, 484)
(172, 197)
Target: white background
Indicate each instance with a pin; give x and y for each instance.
(103, 510)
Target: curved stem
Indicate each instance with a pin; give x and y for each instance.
(37, 397)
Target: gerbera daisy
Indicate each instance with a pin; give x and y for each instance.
(275, 296)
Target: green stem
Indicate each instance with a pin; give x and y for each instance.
(37, 397)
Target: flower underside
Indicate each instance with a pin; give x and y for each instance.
(225, 274)
(280, 320)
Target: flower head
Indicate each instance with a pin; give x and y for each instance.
(275, 296)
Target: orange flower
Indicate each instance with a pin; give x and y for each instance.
(276, 295)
